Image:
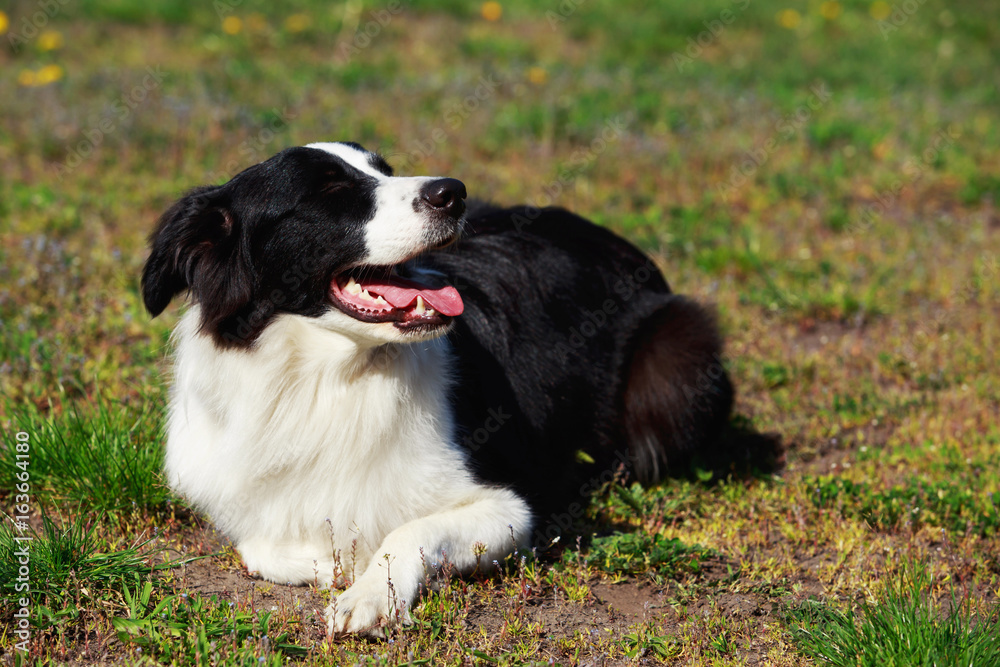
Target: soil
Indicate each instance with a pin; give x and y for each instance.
(612, 610)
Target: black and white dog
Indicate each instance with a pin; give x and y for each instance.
(370, 381)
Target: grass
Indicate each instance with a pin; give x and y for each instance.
(824, 173)
(905, 627)
(72, 575)
(101, 456)
(185, 629)
(915, 503)
(640, 553)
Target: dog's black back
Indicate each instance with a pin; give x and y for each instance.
(575, 357)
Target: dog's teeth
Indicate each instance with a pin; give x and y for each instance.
(366, 296)
(430, 312)
(352, 287)
(380, 301)
(419, 308)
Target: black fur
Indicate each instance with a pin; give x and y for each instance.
(572, 342)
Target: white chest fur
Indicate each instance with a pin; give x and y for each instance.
(309, 437)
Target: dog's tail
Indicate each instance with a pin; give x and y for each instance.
(678, 396)
(678, 400)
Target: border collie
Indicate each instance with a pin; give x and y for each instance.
(372, 381)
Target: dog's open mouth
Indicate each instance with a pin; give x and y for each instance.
(381, 294)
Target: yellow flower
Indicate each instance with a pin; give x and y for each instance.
(830, 10)
(880, 10)
(492, 11)
(42, 77)
(296, 23)
(50, 40)
(789, 18)
(232, 25)
(4, 23)
(538, 75)
(48, 74)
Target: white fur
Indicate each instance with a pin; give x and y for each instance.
(329, 440)
(395, 230)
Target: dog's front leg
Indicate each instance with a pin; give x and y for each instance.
(486, 525)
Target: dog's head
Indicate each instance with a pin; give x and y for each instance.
(323, 231)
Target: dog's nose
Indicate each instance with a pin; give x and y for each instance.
(446, 195)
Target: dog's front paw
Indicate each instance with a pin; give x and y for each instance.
(368, 607)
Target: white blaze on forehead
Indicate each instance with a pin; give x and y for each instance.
(398, 229)
(355, 157)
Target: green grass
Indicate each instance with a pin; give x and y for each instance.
(639, 553)
(905, 627)
(828, 184)
(101, 456)
(959, 508)
(71, 569)
(181, 629)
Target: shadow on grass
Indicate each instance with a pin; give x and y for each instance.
(740, 452)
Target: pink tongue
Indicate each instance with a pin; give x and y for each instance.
(401, 293)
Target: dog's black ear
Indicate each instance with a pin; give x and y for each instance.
(194, 246)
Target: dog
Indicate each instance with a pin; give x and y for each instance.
(375, 377)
